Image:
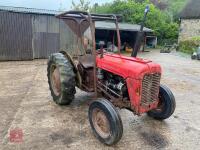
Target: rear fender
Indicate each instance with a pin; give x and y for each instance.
(78, 76)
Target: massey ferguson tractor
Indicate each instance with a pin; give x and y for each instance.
(116, 80)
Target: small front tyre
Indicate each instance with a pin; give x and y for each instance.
(105, 122)
(166, 106)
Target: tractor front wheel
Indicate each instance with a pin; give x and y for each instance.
(166, 105)
(105, 122)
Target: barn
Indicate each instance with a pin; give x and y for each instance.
(28, 33)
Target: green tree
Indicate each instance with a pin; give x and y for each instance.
(133, 11)
(175, 7)
(172, 7)
(83, 5)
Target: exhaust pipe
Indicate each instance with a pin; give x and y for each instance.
(140, 34)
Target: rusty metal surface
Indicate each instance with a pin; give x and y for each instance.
(116, 100)
(83, 15)
(55, 80)
(87, 77)
(150, 88)
(87, 61)
(101, 123)
(77, 26)
(118, 35)
(82, 20)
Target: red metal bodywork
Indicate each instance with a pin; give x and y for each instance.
(132, 70)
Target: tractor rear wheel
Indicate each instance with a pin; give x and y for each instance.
(61, 79)
(166, 106)
(105, 122)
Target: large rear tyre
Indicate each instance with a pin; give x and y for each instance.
(105, 122)
(166, 106)
(61, 79)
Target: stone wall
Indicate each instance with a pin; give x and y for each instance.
(189, 28)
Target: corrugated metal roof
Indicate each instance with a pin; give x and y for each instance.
(29, 10)
(122, 26)
(99, 24)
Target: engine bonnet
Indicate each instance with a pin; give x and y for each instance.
(127, 67)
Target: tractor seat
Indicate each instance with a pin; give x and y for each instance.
(87, 61)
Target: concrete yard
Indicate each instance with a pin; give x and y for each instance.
(26, 104)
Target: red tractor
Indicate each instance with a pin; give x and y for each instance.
(116, 80)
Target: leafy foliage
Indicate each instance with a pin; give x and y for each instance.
(172, 7)
(162, 5)
(189, 46)
(133, 11)
(175, 7)
(83, 5)
(196, 38)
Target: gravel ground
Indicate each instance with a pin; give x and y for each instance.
(26, 105)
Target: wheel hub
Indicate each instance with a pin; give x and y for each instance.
(55, 80)
(101, 123)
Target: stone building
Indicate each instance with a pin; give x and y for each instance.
(190, 21)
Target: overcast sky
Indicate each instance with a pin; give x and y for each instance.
(45, 4)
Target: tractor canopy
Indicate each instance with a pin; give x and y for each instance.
(79, 21)
(83, 26)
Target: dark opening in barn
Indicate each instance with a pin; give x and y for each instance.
(106, 32)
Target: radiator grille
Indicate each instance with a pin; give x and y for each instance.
(150, 88)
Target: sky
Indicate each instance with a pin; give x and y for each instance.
(46, 4)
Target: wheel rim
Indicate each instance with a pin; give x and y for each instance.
(101, 123)
(55, 80)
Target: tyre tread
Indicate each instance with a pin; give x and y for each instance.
(67, 78)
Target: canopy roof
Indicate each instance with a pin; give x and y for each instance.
(122, 26)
